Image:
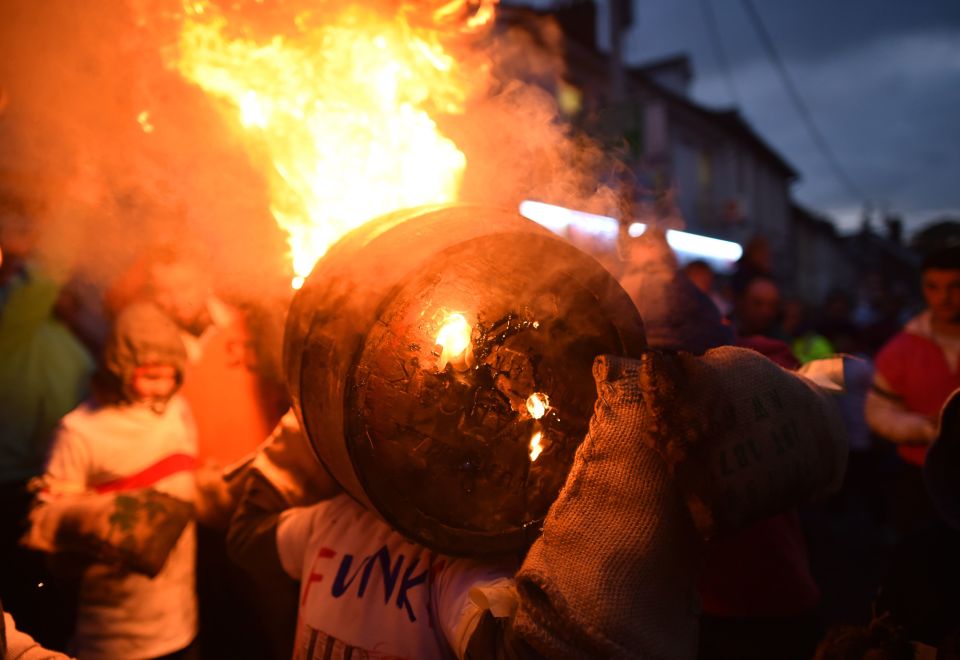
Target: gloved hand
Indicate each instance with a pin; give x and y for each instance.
(743, 438)
(614, 573)
(136, 529)
(679, 448)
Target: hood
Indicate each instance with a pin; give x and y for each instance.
(141, 335)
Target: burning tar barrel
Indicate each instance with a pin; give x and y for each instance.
(440, 362)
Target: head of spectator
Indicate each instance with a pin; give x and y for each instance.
(18, 235)
(838, 307)
(144, 357)
(178, 284)
(836, 322)
(757, 307)
(757, 255)
(795, 320)
(676, 314)
(941, 288)
(756, 261)
(700, 273)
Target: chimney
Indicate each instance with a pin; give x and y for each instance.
(894, 225)
(579, 22)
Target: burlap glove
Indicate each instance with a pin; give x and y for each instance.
(743, 437)
(614, 574)
(136, 529)
(680, 448)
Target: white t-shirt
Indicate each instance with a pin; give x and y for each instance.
(122, 614)
(366, 591)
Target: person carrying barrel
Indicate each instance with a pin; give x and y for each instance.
(679, 448)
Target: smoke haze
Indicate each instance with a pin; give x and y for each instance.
(119, 151)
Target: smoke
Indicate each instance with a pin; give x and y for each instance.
(518, 144)
(118, 151)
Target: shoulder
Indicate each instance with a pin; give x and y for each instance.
(462, 574)
(223, 314)
(83, 413)
(182, 424)
(80, 421)
(338, 510)
(180, 409)
(73, 447)
(904, 340)
(900, 348)
(298, 520)
(301, 530)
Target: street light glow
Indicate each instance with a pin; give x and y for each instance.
(559, 220)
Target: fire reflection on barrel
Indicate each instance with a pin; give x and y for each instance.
(536, 446)
(454, 339)
(538, 404)
(444, 382)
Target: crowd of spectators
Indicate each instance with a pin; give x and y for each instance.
(180, 394)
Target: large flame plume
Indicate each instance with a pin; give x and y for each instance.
(339, 109)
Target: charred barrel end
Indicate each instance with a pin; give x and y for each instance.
(445, 370)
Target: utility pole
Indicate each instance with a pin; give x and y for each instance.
(619, 15)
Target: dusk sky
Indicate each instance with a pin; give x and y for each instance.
(881, 79)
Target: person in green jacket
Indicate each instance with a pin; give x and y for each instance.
(44, 373)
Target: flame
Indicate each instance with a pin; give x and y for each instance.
(454, 337)
(538, 404)
(337, 110)
(536, 447)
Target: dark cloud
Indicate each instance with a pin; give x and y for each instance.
(881, 79)
(811, 30)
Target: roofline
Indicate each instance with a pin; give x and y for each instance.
(669, 61)
(731, 116)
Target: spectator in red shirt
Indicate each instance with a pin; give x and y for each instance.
(915, 373)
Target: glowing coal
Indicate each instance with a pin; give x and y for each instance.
(538, 404)
(536, 446)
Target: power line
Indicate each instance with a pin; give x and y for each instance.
(799, 103)
(710, 18)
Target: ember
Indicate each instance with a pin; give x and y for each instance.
(144, 120)
(536, 447)
(454, 337)
(538, 404)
